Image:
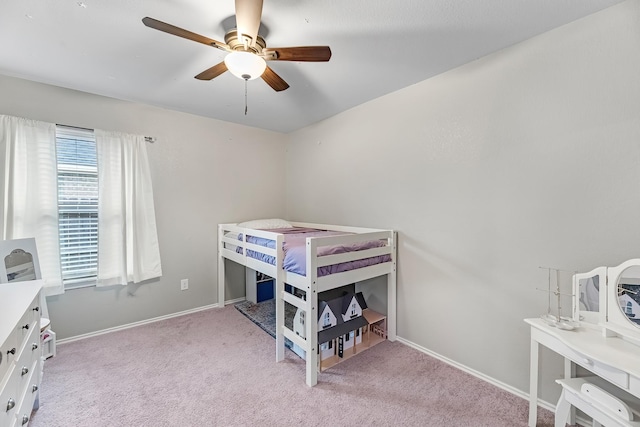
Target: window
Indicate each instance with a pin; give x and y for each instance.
(327, 320)
(77, 204)
(302, 318)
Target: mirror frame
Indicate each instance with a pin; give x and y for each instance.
(617, 322)
(591, 318)
(8, 246)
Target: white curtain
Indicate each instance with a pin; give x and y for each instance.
(128, 249)
(29, 191)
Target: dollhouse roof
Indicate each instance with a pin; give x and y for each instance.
(340, 306)
(346, 301)
(335, 305)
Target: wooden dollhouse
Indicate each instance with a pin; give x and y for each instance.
(346, 327)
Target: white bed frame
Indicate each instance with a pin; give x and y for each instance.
(311, 283)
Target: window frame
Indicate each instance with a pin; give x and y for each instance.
(327, 320)
(90, 172)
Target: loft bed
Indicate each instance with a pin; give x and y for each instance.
(311, 258)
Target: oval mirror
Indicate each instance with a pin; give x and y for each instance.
(628, 289)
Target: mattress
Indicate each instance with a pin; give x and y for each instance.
(294, 247)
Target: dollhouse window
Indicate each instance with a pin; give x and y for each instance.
(302, 317)
(327, 320)
(353, 309)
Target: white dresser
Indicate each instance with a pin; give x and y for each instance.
(21, 351)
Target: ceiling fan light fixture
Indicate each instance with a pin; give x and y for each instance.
(245, 65)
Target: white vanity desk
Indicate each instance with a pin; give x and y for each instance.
(611, 358)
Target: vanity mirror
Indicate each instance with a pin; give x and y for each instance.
(623, 302)
(19, 266)
(18, 260)
(590, 297)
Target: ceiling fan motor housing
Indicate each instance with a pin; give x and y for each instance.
(244, 43)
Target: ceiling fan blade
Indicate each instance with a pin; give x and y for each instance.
(248, 15)
(274, 80)
(180, 32)
(302, 53)
(212, 72)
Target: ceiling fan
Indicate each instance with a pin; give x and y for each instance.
(248, 51)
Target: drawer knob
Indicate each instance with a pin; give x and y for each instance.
(588, 361)
(34, 388)
(24, 371)
(36, 309)
(12, 351)
(10, 404)
(26, 326)
(34, 346)
(25, 419)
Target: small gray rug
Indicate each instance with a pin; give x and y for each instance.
(263, 314)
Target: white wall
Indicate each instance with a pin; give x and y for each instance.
(526, 158)
(196, 185)
(529, 157)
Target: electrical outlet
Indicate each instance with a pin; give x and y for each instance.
(184, 284)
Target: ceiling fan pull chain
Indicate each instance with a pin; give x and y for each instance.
(245, 97)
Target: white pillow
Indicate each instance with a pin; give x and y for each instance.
(232, 235)
(266, 224)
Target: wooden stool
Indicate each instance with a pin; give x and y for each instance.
(605, 403)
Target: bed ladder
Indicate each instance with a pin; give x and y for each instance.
(310, 307)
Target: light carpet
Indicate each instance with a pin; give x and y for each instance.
(217, 368)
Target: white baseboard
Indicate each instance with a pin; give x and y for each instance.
(144, 322)
(490, 380)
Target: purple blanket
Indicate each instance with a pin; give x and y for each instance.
(294, 247)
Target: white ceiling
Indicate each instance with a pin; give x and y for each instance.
(102, 47)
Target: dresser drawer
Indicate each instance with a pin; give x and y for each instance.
(27, 348)
(8, 351)
(9, 399)
(27, 363)
(27, 396)
(614, 375)
(28, 322)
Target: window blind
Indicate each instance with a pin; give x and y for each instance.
(77, 204)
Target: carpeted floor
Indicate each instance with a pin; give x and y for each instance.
(217, 368)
